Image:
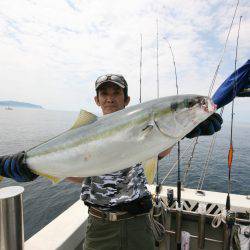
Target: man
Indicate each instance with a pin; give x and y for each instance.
(119, 203)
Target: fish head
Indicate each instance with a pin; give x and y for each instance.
(177, 116)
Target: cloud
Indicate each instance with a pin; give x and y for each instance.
(52, 52)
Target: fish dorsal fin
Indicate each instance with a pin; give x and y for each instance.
(150, 167)
(84, 118)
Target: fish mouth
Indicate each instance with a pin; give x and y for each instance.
(207, 105)
(202, 102)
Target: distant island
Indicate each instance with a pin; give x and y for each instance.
(14, 104)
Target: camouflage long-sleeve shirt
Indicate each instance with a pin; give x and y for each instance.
(110, 190)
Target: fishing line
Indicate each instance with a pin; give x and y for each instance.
(210, 151)
(174, 165)
(202, 178)
(223, 52)
(188, 166)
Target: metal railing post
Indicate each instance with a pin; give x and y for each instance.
(11, 218)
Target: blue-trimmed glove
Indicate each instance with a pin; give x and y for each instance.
(208, 127)
(15, 167)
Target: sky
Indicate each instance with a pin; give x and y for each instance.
(51, 52)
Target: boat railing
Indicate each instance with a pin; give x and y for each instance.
(11, 218)
(67, 231)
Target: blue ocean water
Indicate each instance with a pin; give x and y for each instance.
(43, 201)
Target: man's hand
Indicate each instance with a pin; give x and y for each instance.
(208, 127)
(15, 167)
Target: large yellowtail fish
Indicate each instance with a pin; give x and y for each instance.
(96, 146)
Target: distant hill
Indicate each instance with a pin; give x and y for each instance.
(14, 104)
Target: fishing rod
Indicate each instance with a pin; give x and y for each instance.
(230, 152)
(179, 204)
(179, 145)
(213, 82)
(157, 59)
(230, 216)
(140, 67)
(158, 204)
(158, 186)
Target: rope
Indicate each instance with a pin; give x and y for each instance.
(158, 221)
(221, 217)
(223, 52)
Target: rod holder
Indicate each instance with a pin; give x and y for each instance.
(178, 224)
(201, 225)
(230, 221)
(11, 218)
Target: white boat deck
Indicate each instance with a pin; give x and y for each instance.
(67, 231)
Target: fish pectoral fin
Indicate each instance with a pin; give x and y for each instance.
(150, 167)
(54, 179)
(146, 131)
(84, 118)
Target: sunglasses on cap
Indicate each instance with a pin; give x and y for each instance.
(117, 79)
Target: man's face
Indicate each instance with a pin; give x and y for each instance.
(111, 98)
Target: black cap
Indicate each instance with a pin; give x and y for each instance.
(113, 78)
